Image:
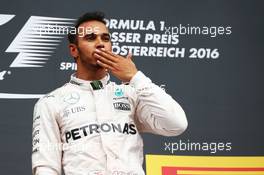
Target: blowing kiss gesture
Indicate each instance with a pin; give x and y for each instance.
(122, 68)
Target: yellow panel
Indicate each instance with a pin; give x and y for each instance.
(182, 172)
(227, 164)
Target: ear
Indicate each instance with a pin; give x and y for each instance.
(73, 50)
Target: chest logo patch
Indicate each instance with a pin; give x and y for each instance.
(119, 92)
(122, 106)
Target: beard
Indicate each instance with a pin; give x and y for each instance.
(90, 62)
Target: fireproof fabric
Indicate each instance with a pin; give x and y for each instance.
(90, 128)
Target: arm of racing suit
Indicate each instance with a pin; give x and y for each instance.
(46, 144)
(156, 111)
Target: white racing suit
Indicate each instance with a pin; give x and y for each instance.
(92, 128)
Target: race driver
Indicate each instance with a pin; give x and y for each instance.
(91, 126)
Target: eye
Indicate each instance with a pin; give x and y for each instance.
(90, 37)
(106, 37)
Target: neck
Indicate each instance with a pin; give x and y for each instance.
(91, 73)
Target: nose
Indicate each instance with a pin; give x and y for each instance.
(99, 43)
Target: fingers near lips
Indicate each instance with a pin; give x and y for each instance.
(104, 61)
(106, 54)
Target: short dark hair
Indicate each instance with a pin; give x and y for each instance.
(90, 16)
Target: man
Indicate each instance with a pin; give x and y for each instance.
(90, 126)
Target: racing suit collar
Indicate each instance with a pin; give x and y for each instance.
(90, 85)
